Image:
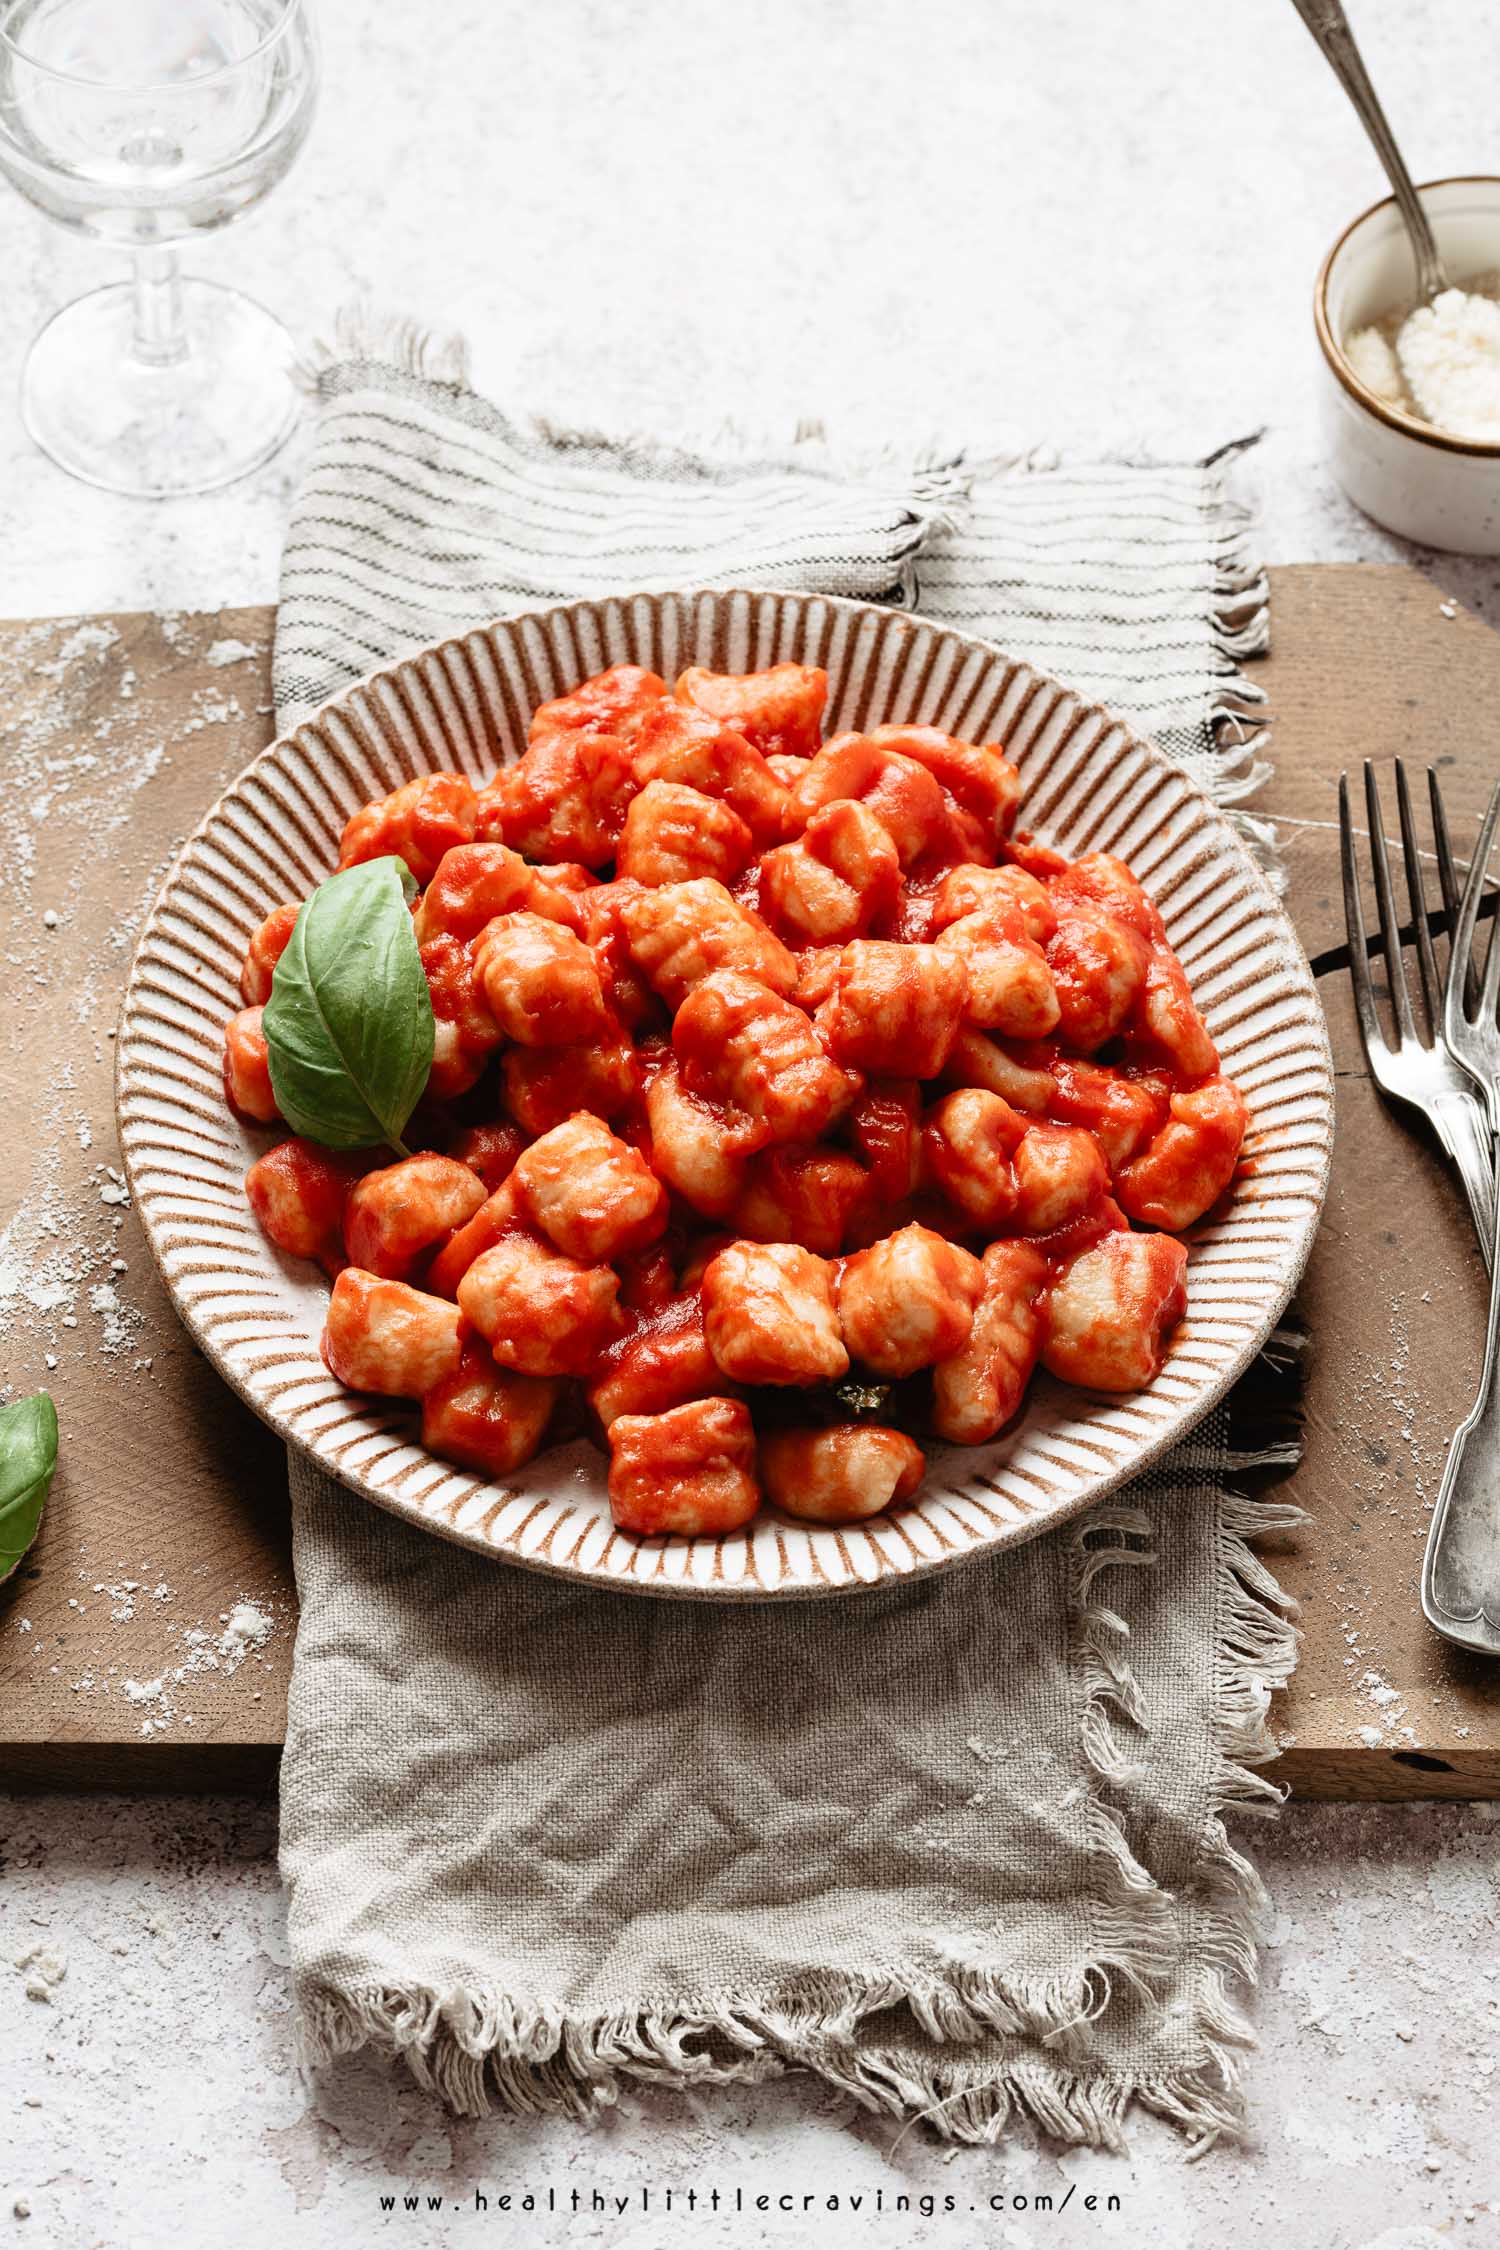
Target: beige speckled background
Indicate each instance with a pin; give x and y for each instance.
(1151, 189)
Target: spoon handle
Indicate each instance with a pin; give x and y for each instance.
(1329, 25)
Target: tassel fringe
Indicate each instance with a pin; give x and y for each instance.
(360, 333)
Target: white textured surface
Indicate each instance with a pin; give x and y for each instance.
(1087, 223)
(170, 2109)
(644, 212)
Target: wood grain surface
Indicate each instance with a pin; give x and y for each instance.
(1366, 662)
(115, 737)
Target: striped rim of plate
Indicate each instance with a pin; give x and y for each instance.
(1090, 785)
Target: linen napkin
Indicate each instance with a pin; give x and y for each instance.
(957, 1847)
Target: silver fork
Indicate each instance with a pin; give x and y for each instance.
(1416, 1069)
(1461, 1569)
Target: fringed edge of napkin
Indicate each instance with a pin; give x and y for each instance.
(1240, 623)
(935, 473)
(390, 339)
(484, 2050)
(1257, 1641)
(1237, 721)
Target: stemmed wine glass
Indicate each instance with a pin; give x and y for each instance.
(143, 122)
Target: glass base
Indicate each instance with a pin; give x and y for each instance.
(190, 424)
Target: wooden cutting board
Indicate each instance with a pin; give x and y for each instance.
(119, 1662)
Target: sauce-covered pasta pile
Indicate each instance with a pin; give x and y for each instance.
(788, 1106)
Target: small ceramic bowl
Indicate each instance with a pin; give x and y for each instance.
(1443, 491)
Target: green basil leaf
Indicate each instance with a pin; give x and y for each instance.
(349, 1021)
(28, 1456)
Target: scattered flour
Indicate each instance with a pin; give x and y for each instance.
(44, 1970)
(246, 1628)
(211, 711)
(85, 640)
(120, 1321)
(1389, 1709)
(78, 754)
(58, 1261)
(230, 652)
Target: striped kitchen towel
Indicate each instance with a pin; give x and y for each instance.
(955, 1847)
(426, 511)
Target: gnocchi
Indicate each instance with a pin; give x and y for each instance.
(1109, 1312)
(697, 751)
(465, 1033)
(397, 1216)
(1010, 987)
(1098, 967)
(839, 877)
(665, 1362)
(701, 1150)
(690, 1470)
(894, 1008)
(486, 1418)
(839, 1475)
(539, 1311)
(298, 1192)
(683, 932)
(673, 834)
(475, 882)
(780, 710)
(896, 791)
(263, 952)
(387, 1337)
(541, 981)
(419, 823)
(592, 1195)
(977, 1390)
(907, 1301)
(769, 1317)
(762, 1066)
(968, 1145)
(247, 1069)
(760, 1053)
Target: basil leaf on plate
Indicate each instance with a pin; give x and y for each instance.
(28, 1456)
(349, 1021)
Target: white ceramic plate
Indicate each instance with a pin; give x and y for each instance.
(1089, 785)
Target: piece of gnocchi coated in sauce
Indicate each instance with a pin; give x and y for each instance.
(765, 1066)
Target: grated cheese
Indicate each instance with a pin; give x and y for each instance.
(1450, 355)
(1440, 362)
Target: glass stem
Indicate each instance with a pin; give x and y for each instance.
(160, 337)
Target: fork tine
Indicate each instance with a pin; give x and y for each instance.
(1354, 923)
(1417, 893)
(1454, 1019)
(1490, 990)
(1390, 931)
(1448, 878)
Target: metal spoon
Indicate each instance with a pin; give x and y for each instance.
(1329, 25)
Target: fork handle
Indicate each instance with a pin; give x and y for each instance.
(1461, 1568)
(1462, 1125)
